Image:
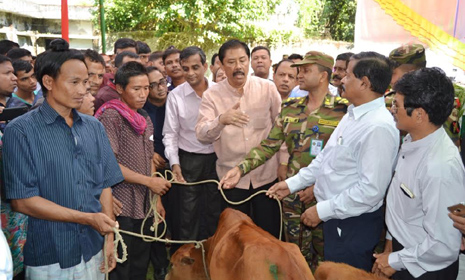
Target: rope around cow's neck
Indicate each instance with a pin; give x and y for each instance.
(158, 218)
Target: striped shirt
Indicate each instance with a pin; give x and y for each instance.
(69, 166)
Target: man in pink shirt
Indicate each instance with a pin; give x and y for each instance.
(235, 115)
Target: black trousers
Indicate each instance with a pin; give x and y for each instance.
(358, 239)
(135, 268)
(447, 273)
(159, 255)
(261, 209)
(196, 209)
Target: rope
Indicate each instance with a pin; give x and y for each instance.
(158, 219)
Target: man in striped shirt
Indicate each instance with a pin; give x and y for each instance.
(59, 168)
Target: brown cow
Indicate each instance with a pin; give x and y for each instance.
(240, 250)
(341, 271)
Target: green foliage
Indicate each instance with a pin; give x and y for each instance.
(339, 17)
(328, 18)
(309, 17)
(205, 23)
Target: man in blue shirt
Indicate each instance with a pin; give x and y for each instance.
(59, 168)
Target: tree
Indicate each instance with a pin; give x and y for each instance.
(339, 17)
(205, 23)
(328, 18)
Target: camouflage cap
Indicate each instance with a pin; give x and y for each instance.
(314, 57)
(409, 54)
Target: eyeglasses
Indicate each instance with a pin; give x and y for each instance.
(162, 82)
(395, 107)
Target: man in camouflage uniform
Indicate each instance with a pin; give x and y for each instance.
(304, 124)
(412, 57)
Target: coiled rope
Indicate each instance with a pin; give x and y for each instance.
(118, 240)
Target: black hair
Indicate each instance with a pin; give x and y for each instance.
(232, 44)
(94, 57)
(127, 71)
(345, 56)
(4, 59)
(257, 48)
(50, 62)
(17, 53)
(215, 55)
(193, 50)
(21, 65)
(295, 56)
(119, 58)
(156, 55)
(284, 60)
(430, 89)
(150, 69)
(124, 43)
(143, 48)
(376, 67)
(6, 46)
(169, 51)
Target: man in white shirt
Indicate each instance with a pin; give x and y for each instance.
(190, 160)
(429, 177)
(354, 169)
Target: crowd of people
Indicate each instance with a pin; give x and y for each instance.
(363, 150)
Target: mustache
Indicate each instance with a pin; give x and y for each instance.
(238, 72)
(335, 76)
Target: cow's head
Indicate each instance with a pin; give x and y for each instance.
(187, 263)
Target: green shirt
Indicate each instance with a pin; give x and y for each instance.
(297, 128)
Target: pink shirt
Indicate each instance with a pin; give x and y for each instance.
(262, 103)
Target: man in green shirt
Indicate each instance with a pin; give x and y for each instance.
(304, 124)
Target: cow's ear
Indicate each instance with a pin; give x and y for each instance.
(187, 260)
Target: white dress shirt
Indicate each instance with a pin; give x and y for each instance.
(182, 110)
(297, 92)
(6, 262)
(432, 170)
(353, 171)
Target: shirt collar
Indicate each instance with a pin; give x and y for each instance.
(189, 90)
(424, 142)
(359, 111)
(50, 115)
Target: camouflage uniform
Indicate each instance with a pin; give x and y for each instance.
(414, 54)
(297, 127)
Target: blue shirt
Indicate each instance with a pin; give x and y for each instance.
(16, 101)
(69, 166)
(157, 116)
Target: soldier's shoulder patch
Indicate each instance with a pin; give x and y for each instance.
(293, 100)
(343, 101)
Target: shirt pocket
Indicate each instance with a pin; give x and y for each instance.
(93, 172)
(259, 117)
(342, 160)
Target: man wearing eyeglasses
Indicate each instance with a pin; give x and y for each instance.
(190, 160)
(429, 177)
(155, 108)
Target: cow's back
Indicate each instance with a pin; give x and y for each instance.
(245, 251)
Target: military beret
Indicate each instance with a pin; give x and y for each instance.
(409, 54)
(314, 57)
